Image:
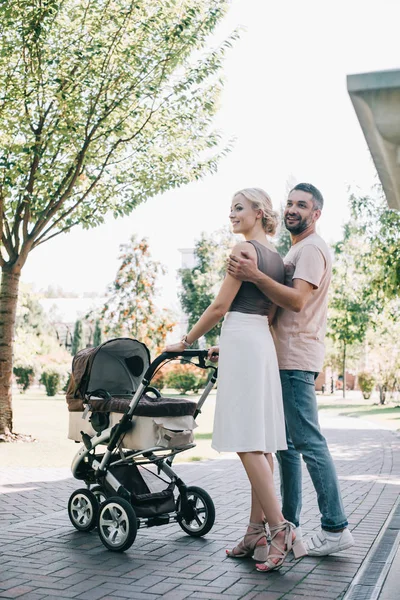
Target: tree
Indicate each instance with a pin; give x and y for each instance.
(380, 228)
(383, 349)
(77, 340)
(201, 284)
(351, 308)
(98, 334)
(36, 347)
(102, 106)
(130, 309)
(283, 241)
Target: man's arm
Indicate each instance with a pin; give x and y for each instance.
(291, 298)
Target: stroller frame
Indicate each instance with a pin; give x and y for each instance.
(108, 505)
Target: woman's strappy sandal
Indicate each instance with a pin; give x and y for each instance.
(250, 544)
(277, 554)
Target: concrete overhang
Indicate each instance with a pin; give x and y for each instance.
(376, 100)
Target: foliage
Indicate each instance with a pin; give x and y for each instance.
(380, 228)
(103, 106)
(185, 378)
(364, 309)
(36, 345)
(383, 349)
(98, 334)
(77, 339)
(350, 308)
(24, 377)
(283, 241)
(130, 309)
(51, 381)
(159, 380)
(201, 283)
(366, 382)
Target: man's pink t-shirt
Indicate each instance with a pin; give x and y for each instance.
(299, 337)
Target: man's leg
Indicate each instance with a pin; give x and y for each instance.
(302, 424)
(290, 473)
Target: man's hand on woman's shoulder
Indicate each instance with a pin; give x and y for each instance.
(243, 267)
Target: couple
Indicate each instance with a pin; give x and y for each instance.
(266, 382)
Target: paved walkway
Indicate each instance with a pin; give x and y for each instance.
(42, 556)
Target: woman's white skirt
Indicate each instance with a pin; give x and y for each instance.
(249, 410)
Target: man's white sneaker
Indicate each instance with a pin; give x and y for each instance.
(299, 533)
(324, 542)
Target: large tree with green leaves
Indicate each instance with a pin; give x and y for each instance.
(103, 104)
(201, 283)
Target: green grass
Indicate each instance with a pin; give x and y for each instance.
(339, 406)
(203, 436)
(195, 458)
(387, 413)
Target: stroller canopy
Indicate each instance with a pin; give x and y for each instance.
(116, 366)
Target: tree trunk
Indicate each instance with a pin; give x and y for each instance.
(344, 370)
(8, 309)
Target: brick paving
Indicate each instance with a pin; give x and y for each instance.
(42, 556)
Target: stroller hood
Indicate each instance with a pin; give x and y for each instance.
(116, 366)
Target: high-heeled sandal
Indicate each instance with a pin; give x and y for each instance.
(250, 544)
(276, 559)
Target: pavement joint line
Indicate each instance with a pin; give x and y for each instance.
(40, 519)
(375, 590)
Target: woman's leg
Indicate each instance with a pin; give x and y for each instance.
(260, 475)
(256, 512)
(255, 540)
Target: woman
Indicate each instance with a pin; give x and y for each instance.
(249, 416)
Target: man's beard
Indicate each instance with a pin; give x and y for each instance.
(297, 227)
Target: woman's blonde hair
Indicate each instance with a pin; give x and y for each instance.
(261, 201)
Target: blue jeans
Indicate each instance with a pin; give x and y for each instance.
(304, 437)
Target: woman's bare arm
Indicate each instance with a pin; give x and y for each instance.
(217, 309)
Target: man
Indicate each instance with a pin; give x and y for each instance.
(299, 332)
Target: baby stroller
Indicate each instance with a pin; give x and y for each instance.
(112, 404)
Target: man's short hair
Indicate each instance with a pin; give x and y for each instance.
(317, 197)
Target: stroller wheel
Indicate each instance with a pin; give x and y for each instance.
(117, 524)
(83, 509)
(202, 512)
(99, 492)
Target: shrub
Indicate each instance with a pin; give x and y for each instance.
(159, 380)
(51, 381)
(24, 377)
(185, 378)
(183, 382)
(366, 382)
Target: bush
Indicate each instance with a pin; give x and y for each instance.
(24, 377)
(51, 381)
(183, 382)
(159, 380)
(185, 378)
(366, 382)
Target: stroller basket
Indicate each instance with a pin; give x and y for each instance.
(147, 496)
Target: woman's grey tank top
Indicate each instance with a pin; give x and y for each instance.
(249, 299)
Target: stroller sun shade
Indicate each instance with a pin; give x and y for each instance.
(118, 367)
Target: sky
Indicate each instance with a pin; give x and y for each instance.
(286, 104)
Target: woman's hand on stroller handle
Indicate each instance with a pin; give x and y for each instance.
(179, 347)
(213, 353)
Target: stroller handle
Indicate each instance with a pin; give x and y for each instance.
(202, 354)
